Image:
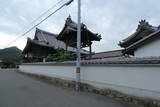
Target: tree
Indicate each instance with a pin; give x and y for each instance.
(61, 55)
(8, 63)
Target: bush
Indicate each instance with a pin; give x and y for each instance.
(60, 56)
(8, 63)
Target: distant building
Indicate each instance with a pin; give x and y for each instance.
(107, 54)
(145, 42)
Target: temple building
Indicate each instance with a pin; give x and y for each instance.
(45, 43)
(69, 35)
(145, 42)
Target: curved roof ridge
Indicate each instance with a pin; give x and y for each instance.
(37, 29)
(143, 29)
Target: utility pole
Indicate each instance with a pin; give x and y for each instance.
(78, 64)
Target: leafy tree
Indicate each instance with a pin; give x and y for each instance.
(60, 55)
(8, 63)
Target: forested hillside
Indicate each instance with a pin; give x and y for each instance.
(12, 53)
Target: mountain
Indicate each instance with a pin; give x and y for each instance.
(12, 53)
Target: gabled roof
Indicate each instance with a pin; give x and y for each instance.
(69, 33)
(47, 39)
(149, 38)
(144, 29)
(31, 42)
(45, 36)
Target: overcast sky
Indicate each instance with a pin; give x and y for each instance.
(113, 19)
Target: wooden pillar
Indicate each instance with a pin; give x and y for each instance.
(90, 50)
(66, 47)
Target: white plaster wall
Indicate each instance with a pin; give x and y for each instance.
(64, 72)
(149, 49)
(137, 80)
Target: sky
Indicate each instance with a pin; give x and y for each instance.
(113, 19)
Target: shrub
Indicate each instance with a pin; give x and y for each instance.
(8, 63)
(60, 55)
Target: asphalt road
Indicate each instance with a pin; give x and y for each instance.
(17, 90)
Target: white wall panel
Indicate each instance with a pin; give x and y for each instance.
(137, 80)
(151, 49)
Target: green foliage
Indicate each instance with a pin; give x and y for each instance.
(8, 63)
(61, 55)
(12, 53)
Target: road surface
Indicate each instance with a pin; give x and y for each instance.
(17, 90)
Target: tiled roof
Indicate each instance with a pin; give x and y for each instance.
(68, 34)
(107, 54)
(142, 41)
(47, 39)
(108, 61)
(144, 29)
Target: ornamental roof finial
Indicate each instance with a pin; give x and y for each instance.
(69, 20)
(143, 23)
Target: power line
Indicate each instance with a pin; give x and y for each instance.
(59, 2)
(66, 4)
(32, 22)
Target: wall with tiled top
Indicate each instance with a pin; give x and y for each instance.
(137, 80)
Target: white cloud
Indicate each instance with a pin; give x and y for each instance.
(114, 20)
(8, 23)
(6, 39)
